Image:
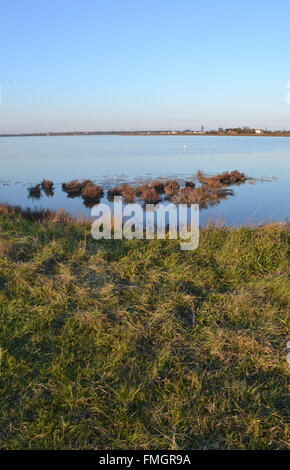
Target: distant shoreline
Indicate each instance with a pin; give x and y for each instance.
(147, 133)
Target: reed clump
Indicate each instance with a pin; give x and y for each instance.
(128, 192)
(47, 184)
(121, 344)
(203, 195)
(158, 186)
(171, 187)
(89, 203)
(75, 187)
(141, 189)
(150, 195)
(92, 192)
(48, 192)
(112, 192)
(224, 179)
(34, 192)
(35, 215)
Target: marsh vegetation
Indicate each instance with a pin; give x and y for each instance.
(205, 190)
(99, 348)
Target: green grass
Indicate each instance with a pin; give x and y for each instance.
(98, 347)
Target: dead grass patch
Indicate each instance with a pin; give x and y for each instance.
(223, 179)
(171, 187)
(202, 195)
(92, 192)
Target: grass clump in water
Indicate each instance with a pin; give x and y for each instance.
(203, 195)
(47, 187)
(34, 192)
(224, 179)
(150, 195)
(171, 187)
(92, 192)
(75, 187)
(128, 192)
(112, 192)
(47, 184)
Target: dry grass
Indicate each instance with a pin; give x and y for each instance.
(99, 349)
(48, 192)
(47, 184)
(150, 195)
(158, 186)
(74, 187)
(92, 192)
(128, 192)
(224, 179)
(42, 215)
(202, 195)
(171, 187)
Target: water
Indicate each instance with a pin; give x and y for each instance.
(109, 160)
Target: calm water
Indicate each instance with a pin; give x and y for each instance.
(109, 160)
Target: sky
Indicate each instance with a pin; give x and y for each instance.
(71, 65)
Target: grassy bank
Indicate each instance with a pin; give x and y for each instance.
(99, 350)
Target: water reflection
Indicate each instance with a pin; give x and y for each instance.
(34, 192)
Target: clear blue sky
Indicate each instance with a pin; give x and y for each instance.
(107, 65)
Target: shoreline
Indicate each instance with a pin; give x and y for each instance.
(64, 217)
(142, 134)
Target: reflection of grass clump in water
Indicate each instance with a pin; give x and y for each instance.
(73, 188)
(224, 179)
(202, 195)
(141, 189)
(112, 192)
(89, 203)
(34, 192)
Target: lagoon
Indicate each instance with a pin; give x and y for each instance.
(110, 160)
